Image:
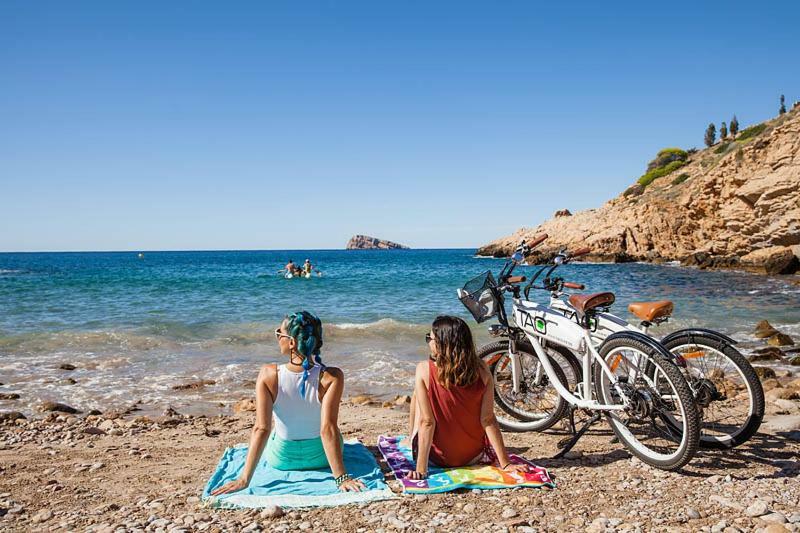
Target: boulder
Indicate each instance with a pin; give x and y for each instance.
(795, 361)
(563, 213)
(764, 330)
(764, 372)
(780, 339)
(9, 396)
(770, 353)
(363, 399)
(67, 366)
(244, 406)
(10, 416)
(772, 260)
(58, 407)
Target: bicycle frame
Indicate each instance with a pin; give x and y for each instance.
(535, 320)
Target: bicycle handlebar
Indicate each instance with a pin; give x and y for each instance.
(578, 286)
(538, 240)
(516, 279)
(580, 252)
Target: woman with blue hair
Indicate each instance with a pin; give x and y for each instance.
(304, 396)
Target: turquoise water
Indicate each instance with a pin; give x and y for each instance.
(135, 327)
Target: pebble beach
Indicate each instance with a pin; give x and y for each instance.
(121, 471)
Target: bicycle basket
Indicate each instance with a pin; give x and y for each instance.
(479, 297)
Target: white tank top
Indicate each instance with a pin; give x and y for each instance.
(297, 417)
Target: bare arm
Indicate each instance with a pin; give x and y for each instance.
(261, 429)
(427, 424)
(489, 422)
(329, 427)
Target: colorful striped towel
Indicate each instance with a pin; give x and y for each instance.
(480, 476)
(297, 488)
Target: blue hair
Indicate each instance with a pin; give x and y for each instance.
(306, 329)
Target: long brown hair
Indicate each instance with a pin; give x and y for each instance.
(456, 363)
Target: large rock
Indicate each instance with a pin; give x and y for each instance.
(365, 242)
(245, 405)
(771, 261)
(58, 407)
(738, 210)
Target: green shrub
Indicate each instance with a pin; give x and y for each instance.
(656, 173)
(667, 156)
(752, 131)
(721, 148)
(680, 179)
(676, 151)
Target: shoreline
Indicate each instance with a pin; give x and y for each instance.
(117, 471)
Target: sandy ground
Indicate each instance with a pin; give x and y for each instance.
(92, 473)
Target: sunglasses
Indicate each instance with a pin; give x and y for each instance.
(279, 334)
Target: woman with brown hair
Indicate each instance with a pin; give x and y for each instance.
(452, 410)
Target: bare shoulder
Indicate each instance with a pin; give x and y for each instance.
(423, 371)
(332, 374)
(268, 373)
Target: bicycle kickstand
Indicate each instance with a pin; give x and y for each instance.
(567, 444)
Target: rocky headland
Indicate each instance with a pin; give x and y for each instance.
(365, 242)
(733, 205)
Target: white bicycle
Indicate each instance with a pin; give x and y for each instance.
(726, 389)
(652, 413)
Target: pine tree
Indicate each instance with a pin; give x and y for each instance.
(734, 127)
(723, 131)
(711, 134)
(783, 106)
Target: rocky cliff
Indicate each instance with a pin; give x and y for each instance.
(365, 242)
(736, 204)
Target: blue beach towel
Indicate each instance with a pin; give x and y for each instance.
(306, 488)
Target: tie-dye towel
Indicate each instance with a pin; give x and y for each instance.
(297, 488)
(480, 476)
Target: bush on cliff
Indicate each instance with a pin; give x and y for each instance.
(656, 173)
(667, 156)
(667, 160)
(752, 131)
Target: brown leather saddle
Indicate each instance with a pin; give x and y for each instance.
(584, 303)
(650, 311)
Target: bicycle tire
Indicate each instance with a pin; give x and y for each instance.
(754, 388)
(689, 438)
(519, 423)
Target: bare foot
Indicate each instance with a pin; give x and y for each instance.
(406, 442)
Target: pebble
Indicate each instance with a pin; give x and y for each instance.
(42, 516)
(509, 513)
(692, 514)
(254, 526)
(757, 508)
(777, 518)
(469, 508)
(304, 525)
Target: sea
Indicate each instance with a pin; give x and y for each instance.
(135, 325)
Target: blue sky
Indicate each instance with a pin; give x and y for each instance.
(192, 125)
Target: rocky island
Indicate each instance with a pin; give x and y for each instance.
(735, 204)
(365, 242)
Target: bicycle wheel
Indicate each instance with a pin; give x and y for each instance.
(537, 405)
(659, 423)
(726, 389)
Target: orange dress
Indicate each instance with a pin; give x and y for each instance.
(459, 436)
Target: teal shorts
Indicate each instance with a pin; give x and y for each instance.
(308, 454)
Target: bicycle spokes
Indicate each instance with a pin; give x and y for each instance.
(719, 389)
